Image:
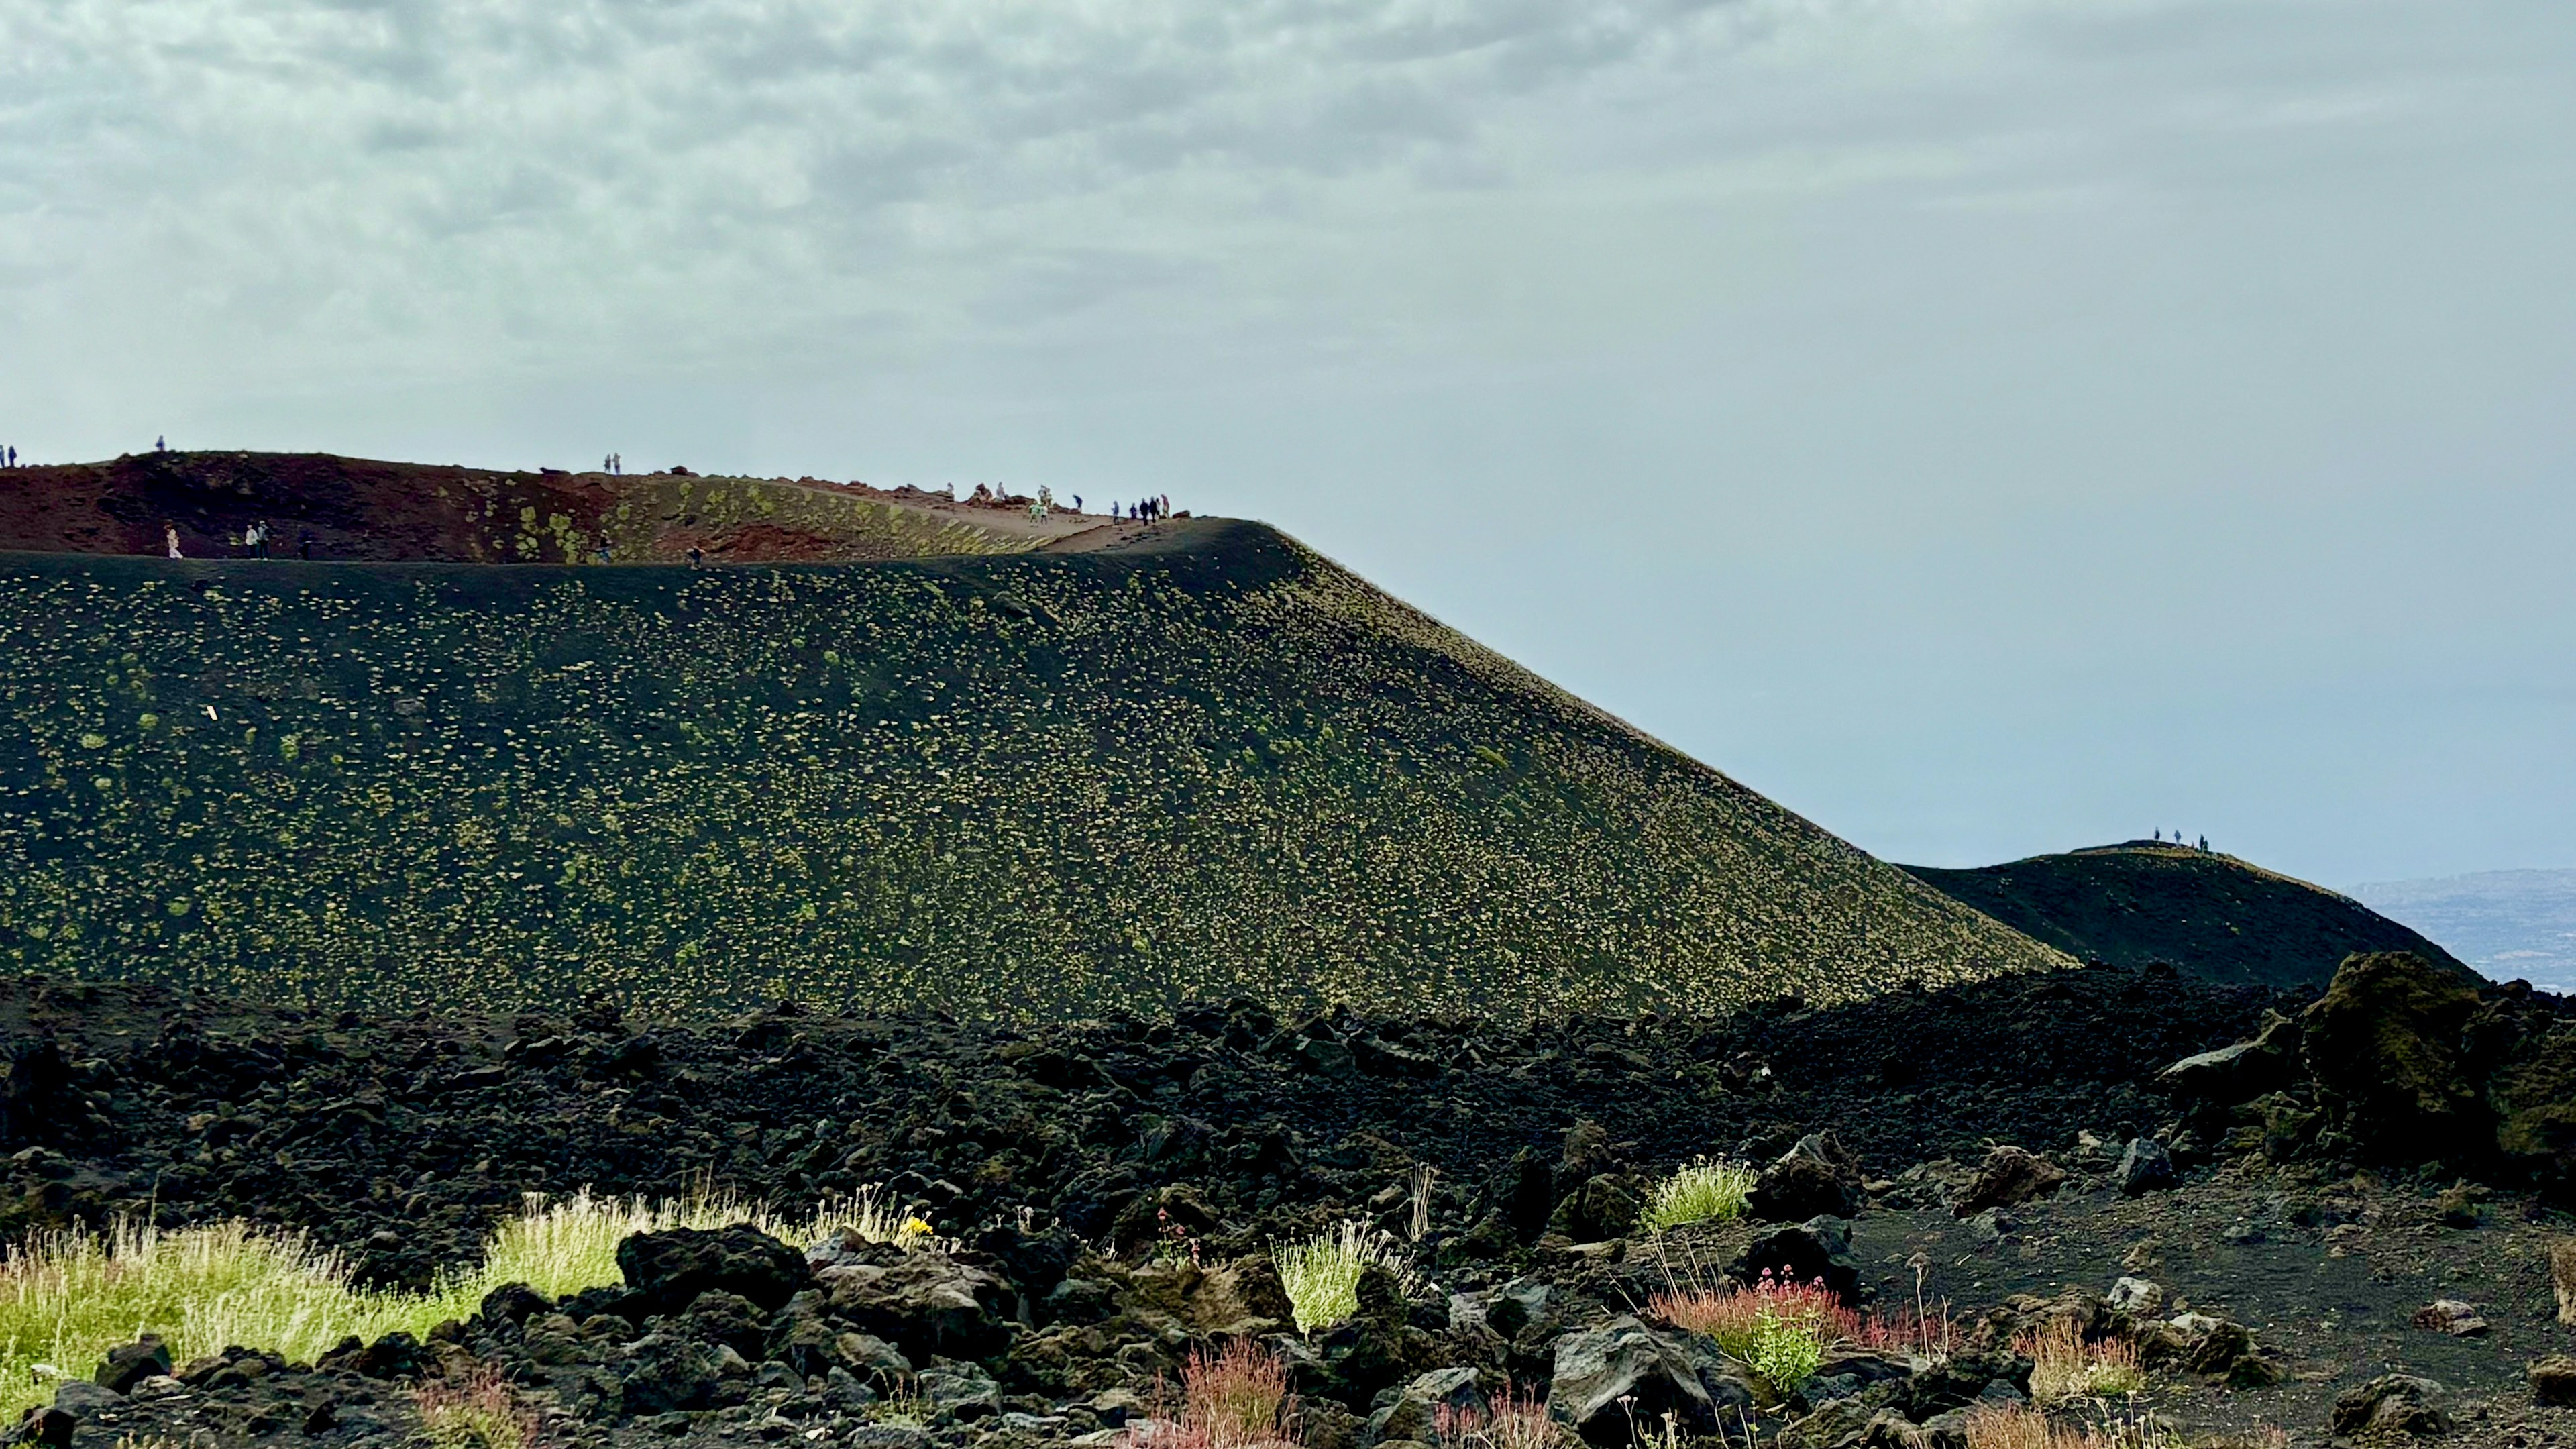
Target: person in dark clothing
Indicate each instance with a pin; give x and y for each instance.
(304, 544)
(694, 555)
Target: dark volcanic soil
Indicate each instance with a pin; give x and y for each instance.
(1065, 1156)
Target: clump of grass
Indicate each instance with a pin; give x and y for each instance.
(477, 1412)
(1698, 1193)
(1925, 1332)
(2063, 1366)
(67, 1298)
(1776, 1328)
(1322, 1274)
(1240, 1395)
(1234, 1399)
(905, 1407)
(1513, 1420)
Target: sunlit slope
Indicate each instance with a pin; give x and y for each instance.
(1035, 784)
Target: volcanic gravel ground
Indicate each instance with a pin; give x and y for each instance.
(405, 1140)
(402, 1141)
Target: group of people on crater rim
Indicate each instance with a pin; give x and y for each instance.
(253, 541)
(1149, 510)
(2159, 835)
(8, 457)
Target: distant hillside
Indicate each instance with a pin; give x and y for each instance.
(2211, 914)
(359, 508)
(1211, 762)
(2505, 923)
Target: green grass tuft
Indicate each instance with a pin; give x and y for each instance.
(1698, 1193)
(67, 1298)
(1322, 1274)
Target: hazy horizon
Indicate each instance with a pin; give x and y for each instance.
(1987, 427)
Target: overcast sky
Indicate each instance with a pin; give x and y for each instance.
(1987, 426)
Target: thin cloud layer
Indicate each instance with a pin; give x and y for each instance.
(597, 169)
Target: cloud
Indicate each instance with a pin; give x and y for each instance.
(606, 169)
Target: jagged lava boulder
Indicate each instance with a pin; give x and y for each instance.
(2384, 1047)
(1819, 1177)
(667, 1271)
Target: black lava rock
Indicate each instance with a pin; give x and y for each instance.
(667, 1271)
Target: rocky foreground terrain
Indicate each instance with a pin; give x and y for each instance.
(2303, 1219)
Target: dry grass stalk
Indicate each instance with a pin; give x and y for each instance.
(2065, 1367)
(1513, 1420)
(1239, 1394)
(476, 1412)
(2018, 1426)
(1234, 1399)
(2562, 1277)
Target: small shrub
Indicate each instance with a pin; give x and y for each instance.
(477, 1412)
(1699, 1193)
(1322, 1274)
(1514, 1420)
(1778, 1329)
(2063, 1366)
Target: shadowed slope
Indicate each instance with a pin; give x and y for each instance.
(2210, 914)
(1199, 763)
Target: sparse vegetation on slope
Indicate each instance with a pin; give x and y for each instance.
(1027, 785)
(2210, 914)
